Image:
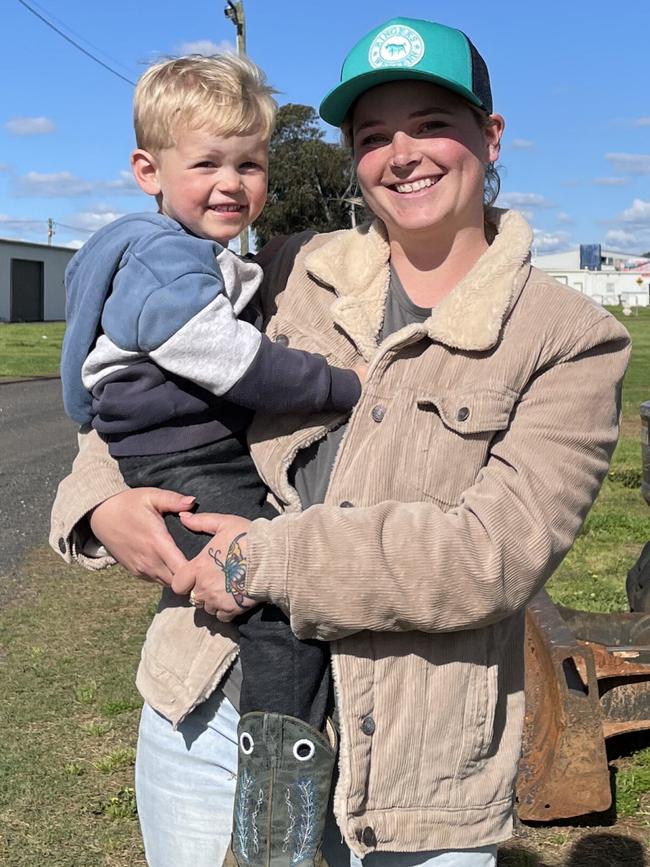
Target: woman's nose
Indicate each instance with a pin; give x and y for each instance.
(405, 151)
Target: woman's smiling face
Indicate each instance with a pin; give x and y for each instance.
(420, 154)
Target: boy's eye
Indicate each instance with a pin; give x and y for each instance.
(250, 165)
(205, 164)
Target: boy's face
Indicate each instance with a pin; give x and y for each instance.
(214, 185)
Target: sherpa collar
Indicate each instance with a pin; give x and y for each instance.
(355, 265)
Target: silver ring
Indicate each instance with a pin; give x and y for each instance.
(197, 603)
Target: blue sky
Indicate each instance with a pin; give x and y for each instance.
(571, 77)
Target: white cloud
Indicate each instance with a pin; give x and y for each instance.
(125, 183)
(550, 242)
(69, 185)
(29, 125)
(206, 47)
(632, 164)
(639, 213)
(92, 220)
(619, 239)
(51, 185)
(563, 217)
(609, 182)
(522, 144)
(630, 231)
(642, 121)
(523, 200)
(17, 224)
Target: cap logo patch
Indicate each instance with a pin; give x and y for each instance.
(396, 46)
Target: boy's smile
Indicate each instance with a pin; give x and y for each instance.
(213, 185)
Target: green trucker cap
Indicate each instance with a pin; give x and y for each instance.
(409, 48)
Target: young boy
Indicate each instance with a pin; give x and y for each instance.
(163, 356)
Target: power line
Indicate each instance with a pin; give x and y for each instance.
(74, 228)
(76, 44)
(108, 58)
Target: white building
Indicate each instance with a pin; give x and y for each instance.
(607, 276)
(31, 281)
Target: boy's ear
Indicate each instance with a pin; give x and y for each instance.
(145, 171)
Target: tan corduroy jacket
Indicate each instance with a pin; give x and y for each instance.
(477, 448)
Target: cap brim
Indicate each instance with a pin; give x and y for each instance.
(338, 101)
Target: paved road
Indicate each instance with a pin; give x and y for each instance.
(37, 443)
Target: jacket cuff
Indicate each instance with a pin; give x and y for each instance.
(70, 534)
(345, 389)
(268, 560)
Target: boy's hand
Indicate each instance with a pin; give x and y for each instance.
(217, 576)
(361, 371)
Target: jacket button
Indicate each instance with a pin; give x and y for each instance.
(463, 413)
(282, 339)
(378, 413)
(62, 547)
(346, 504)
(368, 837)
(368, 726)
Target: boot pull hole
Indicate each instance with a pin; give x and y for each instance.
(303, 750)
(246, 743)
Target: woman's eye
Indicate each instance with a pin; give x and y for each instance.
(433, 126)
(374, 139)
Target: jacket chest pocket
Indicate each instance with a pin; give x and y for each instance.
(454, 430)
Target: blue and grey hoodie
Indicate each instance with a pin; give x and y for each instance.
(159, 353)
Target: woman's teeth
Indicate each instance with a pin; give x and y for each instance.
(416, 185)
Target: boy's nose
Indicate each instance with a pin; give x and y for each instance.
(229, 181)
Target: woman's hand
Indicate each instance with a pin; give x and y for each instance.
(131, 527)
(217, 576)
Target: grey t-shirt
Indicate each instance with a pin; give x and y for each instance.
(311, 470)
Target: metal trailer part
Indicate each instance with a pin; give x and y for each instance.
(620, 644)
(563, 768)
(587, 679)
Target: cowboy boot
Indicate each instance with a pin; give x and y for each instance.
(283, 788)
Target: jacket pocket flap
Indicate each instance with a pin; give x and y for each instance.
(473, 411)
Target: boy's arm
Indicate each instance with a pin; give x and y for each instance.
(170, 302)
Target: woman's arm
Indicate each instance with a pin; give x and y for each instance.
(411, 566)
(94, 507)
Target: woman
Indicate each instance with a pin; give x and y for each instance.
(484, 431)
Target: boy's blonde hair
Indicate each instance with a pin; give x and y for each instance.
(225, 93)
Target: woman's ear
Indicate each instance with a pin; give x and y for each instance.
(493, 133)
(145, 171)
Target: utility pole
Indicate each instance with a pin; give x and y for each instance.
(234, 11)
(50, 231)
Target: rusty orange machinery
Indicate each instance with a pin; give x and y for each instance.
(587, 680)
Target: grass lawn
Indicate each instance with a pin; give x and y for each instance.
(30, 348)
(70, 641)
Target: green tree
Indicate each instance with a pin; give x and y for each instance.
(311, 181)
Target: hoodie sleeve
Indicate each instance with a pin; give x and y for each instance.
(173, 300)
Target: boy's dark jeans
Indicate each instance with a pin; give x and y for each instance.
(280, 674)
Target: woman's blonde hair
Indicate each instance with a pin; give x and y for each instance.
(225, 93)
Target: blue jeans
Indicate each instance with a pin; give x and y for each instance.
(185, 787)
